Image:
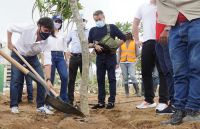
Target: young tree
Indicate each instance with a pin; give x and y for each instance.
(85, 57)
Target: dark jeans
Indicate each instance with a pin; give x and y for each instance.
(149, 61)
(17, 79)
(29, 87)
(75, 62)
(162, 52)
(184, 48)
(106, 62)
(59, 63)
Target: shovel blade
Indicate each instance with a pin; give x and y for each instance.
(62, 106)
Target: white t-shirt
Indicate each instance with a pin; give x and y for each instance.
(147, 14)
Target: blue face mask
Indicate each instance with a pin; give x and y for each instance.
(100, 23)
(44, 35)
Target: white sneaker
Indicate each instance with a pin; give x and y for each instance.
(15, 110)
(145, 105)
(44, 110)
(49, 107)
(161, 106)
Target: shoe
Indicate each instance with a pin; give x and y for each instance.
(49, 107)
(145, 105)
(192, 116)
(44, 110)
(161, 106)
(14, 110)
(167, 111)
(98, 106)
(110, 105)
(176, 118)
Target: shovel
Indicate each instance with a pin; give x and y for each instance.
(56, 103)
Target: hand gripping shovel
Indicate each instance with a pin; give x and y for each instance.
(55, 102)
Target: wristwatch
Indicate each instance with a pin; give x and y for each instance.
(48, 79)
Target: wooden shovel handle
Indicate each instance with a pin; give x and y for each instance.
(14, 62)
(34, 72)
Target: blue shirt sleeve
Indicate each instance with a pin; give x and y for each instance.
(90, 37)
(117, 33)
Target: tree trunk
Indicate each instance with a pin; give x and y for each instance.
(85, 57)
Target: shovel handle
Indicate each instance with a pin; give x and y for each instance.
(34, 72)
(14, 62)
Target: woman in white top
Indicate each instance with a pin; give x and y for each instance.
(58, 48)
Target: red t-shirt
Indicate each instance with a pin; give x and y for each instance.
(161, 27)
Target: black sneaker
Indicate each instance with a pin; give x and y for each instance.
(110, 105)
(98, 106)
(176, 118)
(192, 116)
(167, 111)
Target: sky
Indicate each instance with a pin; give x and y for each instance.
(20, 11)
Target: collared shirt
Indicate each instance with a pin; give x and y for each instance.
(73, 40)
(168, 10)
(147, 14)
(57, 43)
(26, 44)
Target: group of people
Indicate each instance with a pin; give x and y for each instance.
(170, 43)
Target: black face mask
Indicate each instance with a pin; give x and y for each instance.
(44, 35)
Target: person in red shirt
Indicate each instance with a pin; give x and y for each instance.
(162, 52)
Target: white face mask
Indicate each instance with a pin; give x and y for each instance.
(100, 23)
(57, 25)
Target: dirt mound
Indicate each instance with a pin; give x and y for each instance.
(123, 116)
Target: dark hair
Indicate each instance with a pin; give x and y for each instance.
(129, 34)
(98, 12)
(47, 23)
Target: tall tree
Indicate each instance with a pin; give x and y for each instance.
(52, 7)
(85, 57)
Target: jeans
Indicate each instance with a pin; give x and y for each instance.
(128, 69)
(29, 86)
(17, 79)
(106, 62)
(162, 52)
(184, 48)
(74, 63)
(149, 61)
(59, 63)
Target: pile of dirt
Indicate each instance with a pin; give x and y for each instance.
(123, 116)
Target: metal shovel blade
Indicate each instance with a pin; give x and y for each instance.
(57, 102)
(62, 106)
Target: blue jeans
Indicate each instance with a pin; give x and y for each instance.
(17, 79)
(59, 63)
(29, 87)
(184, 48)
(162, 52)
(128, 69)
(106, 62)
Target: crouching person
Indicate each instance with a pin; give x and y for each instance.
(32, 41)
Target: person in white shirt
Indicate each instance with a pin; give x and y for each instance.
(58, 48)
(75, 61)
(32, 41)
(147, 14)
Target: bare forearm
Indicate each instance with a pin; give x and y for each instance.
(136, 23)
(47, 70)
(9, 37)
